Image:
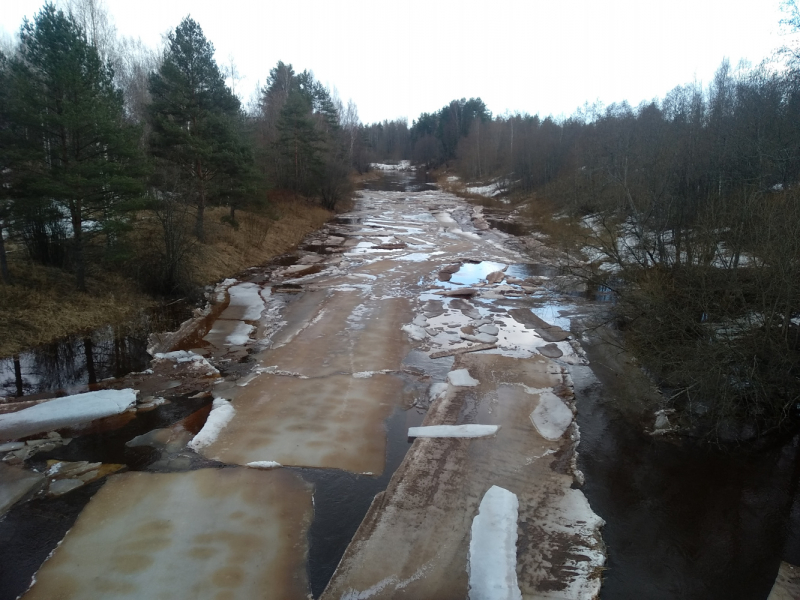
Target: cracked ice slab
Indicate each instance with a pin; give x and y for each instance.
(414, 541)
(493, 548)
(453, 431)
(68, 411)
(229, 533)
(326, 422)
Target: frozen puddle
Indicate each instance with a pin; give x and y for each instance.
(208, 534)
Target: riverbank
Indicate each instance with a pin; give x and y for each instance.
(43, 304)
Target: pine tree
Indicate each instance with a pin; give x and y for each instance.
(70, 150)
(194, 119)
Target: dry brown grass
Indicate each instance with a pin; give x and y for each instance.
(43, 304)
(228, 251)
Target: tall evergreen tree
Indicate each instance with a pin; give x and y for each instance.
(70, 150)
(194, 119)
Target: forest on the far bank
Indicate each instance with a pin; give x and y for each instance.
(688, 209)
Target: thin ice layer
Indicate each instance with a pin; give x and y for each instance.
(551, 417)
(63, 412)
(493, 548)
(453, 431)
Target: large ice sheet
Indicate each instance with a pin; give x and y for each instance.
(211, 534)
(68, 411)
(493, 548)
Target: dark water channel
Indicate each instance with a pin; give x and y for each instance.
(401, 181)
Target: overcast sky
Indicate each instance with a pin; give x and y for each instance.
(397, 59)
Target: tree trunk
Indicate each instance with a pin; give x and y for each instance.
(88, 349)
(77, 239)
(3, 260)
(18, 376)
(201, 207)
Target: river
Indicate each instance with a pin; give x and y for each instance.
(682, 519)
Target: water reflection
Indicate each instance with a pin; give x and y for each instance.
(75, 362)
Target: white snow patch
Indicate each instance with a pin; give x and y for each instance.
(492, 565)
(264, 464)
(551, 417)
(66, 412)
(462, 378)
(453, 431)
(220, 415)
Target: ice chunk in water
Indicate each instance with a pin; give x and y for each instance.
(462, 378)
(551, 417)
(492, 564)
(453, 431)
(220, 415)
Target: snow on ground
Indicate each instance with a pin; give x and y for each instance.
(551, 417)
(492, 565)
(403, 165)
(68, 411)
(461, 378)
(490, 190)
(220, 415)
(453, 431)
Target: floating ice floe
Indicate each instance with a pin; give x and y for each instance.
(462, 378)
(453, 431)
(68, 411)
(414, 332)
(221, 414)
(264, 464)
(492, 563)
(551, 417)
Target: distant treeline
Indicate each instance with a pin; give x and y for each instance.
(691, 207)
(95, 129)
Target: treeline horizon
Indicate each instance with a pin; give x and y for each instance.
(690, 207)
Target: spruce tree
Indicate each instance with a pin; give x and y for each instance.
(194, 120)
(69, 149)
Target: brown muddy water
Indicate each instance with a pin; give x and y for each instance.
(74, 363)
